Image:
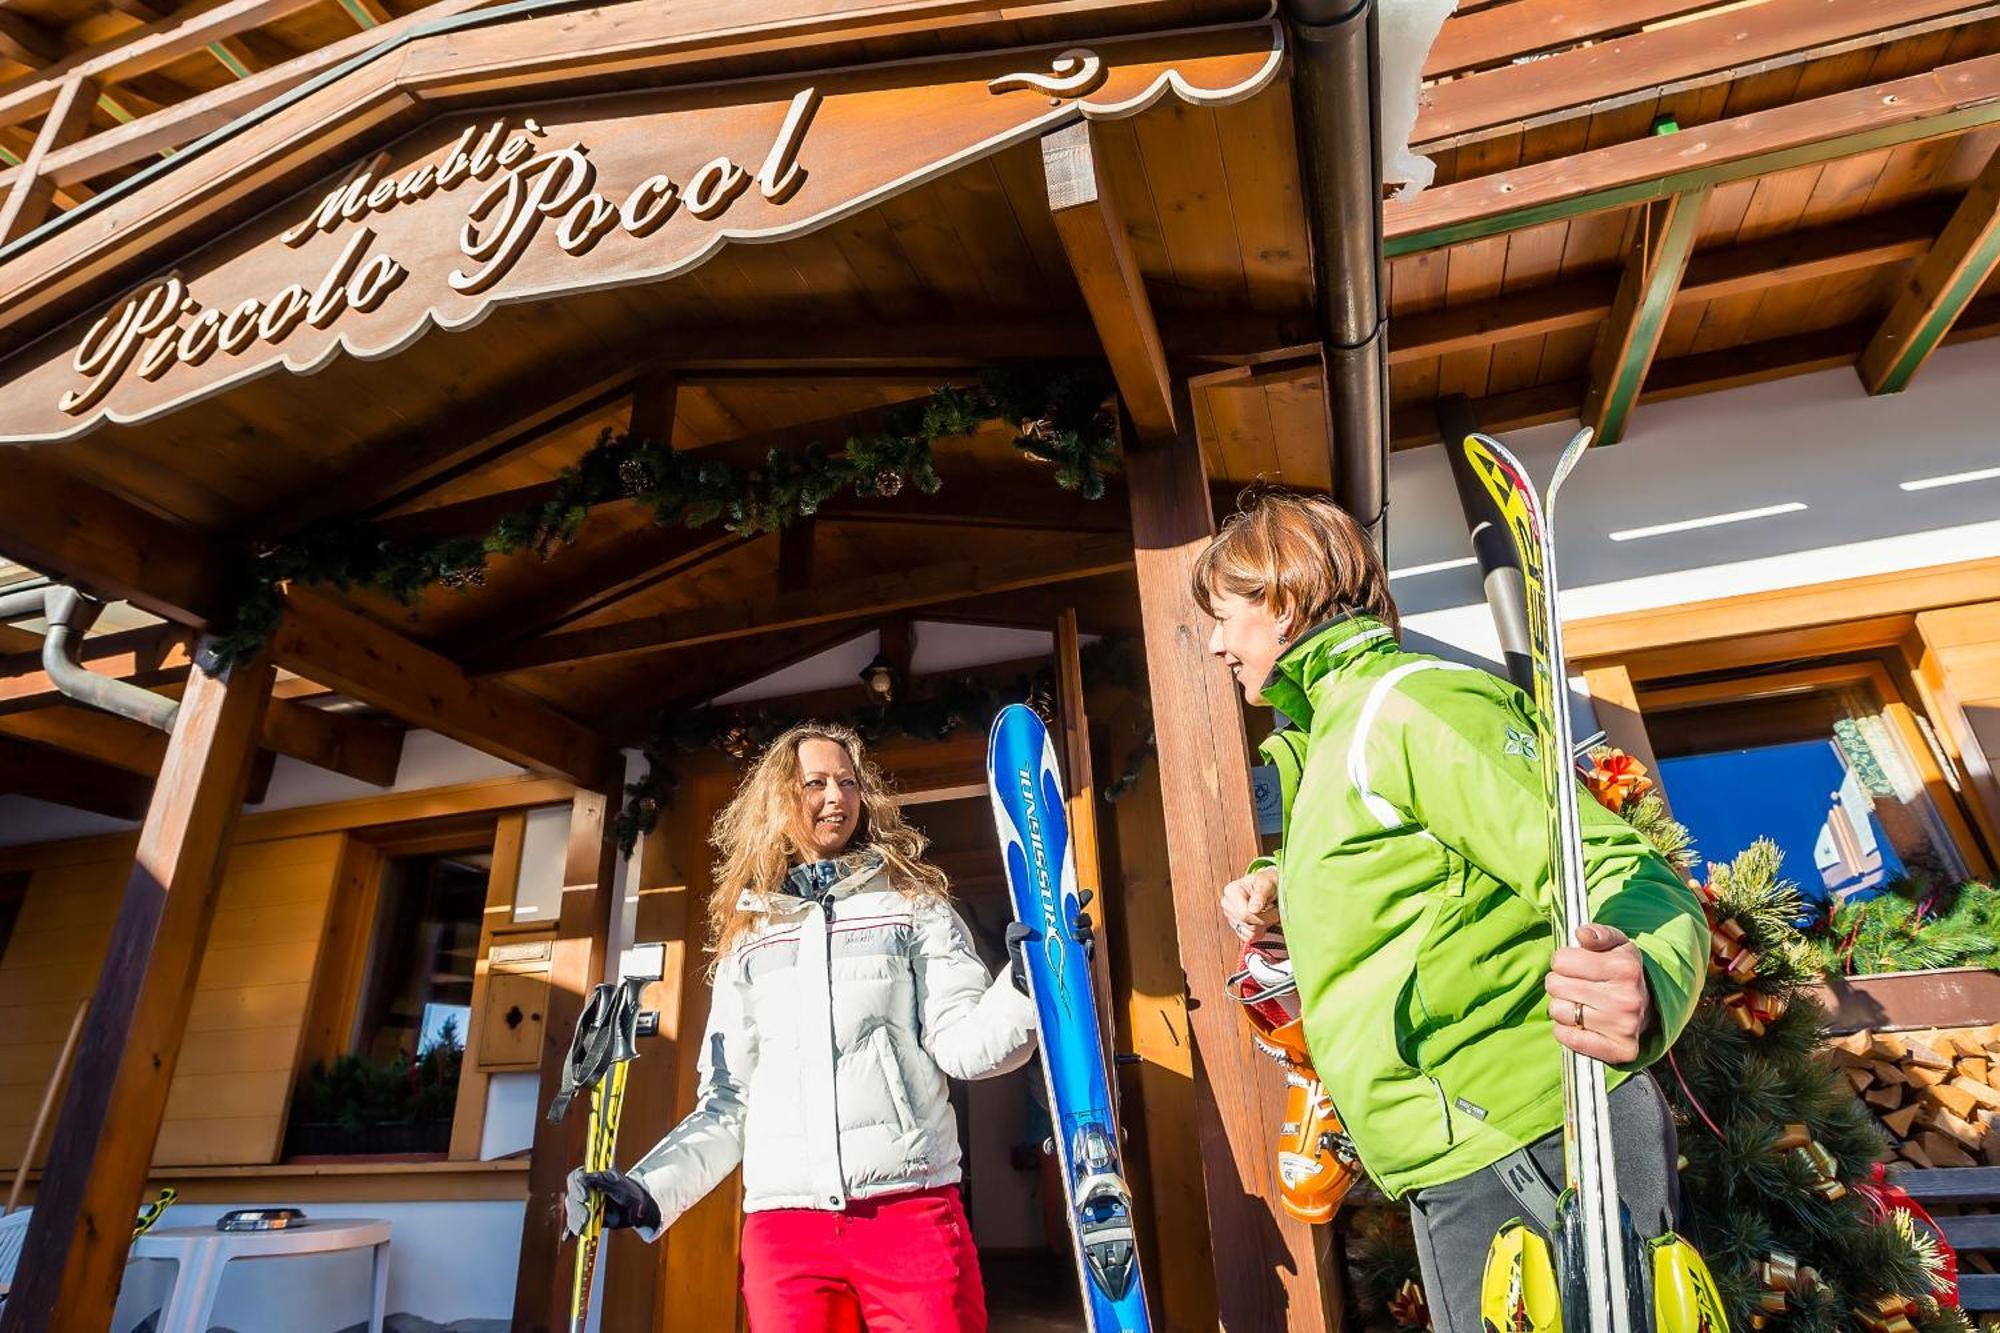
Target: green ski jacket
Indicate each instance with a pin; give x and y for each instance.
(1417, 901)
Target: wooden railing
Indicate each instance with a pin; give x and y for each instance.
(65, 157)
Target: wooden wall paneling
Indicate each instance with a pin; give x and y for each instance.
(1259, 159)
(1159, 1089)
(589, 900)
(1181, 148)
(1476, 271)
(1967, 253)
(698, 1271)
(1266, 1266)
(275, 911)
(468, 1117)
(74, 1254)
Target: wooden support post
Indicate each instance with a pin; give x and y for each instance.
(1267, 1275)
(74, 1258)
(698, 1272)
(1074, 745)
(1638, 316)
(1167, 1178)
(1931, 299)
(583, 931)
(27, 203)
(1088, 220)
(503, 884)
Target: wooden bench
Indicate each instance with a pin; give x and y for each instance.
(1974, 1234)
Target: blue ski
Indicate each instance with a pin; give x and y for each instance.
(1033, 822)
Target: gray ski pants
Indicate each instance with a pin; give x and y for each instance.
(1456, 1222)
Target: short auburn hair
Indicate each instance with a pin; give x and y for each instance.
(1301, 556)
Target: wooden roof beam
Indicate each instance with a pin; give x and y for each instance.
(73, 530)
(31, 196)
(455, 442)
(151, 656)
(66, 779)
(358, 657)
(1092, 229)
(1933, 297)
(355, 747)
(872, 596)
(1944, 101)
(1583, 301)
(1701, 51)
(1631, 335)
(24, 40)
(1686, 376)
(144, 49)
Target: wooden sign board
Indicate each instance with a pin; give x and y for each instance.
(549, 198)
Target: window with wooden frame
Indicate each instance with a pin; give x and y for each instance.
(394, 1005)
(1832, 760)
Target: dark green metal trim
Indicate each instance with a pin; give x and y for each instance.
(1681, 182)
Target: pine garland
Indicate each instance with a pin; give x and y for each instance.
(1911, 928)
(1059, 412)
(944, 708)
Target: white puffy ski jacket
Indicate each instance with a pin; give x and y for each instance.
(831, 1031)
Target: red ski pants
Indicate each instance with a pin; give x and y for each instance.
(903, 1263)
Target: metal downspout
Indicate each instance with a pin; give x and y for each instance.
(1334, 100)
(70, 615)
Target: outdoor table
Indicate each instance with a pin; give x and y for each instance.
(202, 1252)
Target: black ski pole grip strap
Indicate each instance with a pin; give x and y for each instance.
(589, 1050)
(1522, 1175)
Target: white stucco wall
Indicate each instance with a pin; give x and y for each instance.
(447, 1262)
(1816, 440)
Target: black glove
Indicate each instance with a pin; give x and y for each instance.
(1019, 933)
(1081, 929)
(625, 1201)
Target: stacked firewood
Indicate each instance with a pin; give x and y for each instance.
(1936, 1092)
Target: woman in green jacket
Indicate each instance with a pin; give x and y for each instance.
(1415, 897)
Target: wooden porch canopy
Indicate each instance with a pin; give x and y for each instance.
(337, 304)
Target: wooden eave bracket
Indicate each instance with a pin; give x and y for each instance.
(1932, 298)
(1093, 235)
(348, 652)
(1638, 316)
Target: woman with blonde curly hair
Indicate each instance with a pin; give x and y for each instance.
(846, 991)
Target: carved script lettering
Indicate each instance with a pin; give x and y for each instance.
(559, 184)
(164, 324)
(362, 193)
